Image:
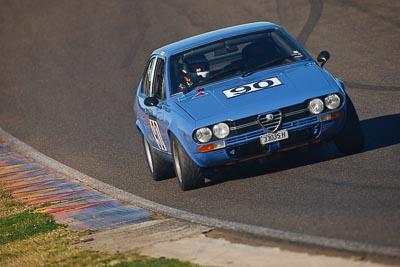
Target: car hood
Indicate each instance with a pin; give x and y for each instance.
(267, 90)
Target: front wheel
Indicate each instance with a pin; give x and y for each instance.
(190, 176)
(351, 139)
(159, 167)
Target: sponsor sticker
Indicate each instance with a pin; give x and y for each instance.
(296, 54)
(199, 94)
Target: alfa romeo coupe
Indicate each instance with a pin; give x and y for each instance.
(236, 94)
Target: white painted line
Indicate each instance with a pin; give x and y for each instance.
(325, 242)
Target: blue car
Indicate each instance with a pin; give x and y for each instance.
(236, 94)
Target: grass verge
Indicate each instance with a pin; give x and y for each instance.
(34, 239)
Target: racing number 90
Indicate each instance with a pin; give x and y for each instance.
(248, 88)
(240, 90)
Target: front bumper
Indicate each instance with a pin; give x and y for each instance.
(302, 132)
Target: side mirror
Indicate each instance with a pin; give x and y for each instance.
(323, 57)
(151, 101)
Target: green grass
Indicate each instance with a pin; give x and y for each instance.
(33, 239)
(24, 225)
(91, 258)
(9, 206)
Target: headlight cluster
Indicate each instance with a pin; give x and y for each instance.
(204, 135)
(332, 101)
(316, 105)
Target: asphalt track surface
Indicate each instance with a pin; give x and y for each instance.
(69, 71)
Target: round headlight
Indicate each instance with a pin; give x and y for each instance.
(221, 130)
(316, 106)
(332, 101)
(203, 134)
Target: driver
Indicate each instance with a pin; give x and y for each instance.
(194, 68)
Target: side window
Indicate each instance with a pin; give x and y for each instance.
(159, 80)
(148, 77)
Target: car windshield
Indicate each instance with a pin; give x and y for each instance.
(241, 55)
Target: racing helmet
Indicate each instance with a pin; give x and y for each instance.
(196, 65)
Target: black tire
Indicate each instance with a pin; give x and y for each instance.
(351, 139)
(159, 167)
(190, 176)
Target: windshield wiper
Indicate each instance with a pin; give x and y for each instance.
(264, 65)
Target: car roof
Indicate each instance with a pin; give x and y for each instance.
(212, 36)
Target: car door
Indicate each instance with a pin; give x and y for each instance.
(153, 86)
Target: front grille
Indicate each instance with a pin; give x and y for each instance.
(271, 121)
(285, 118)
(245, 125)
(300, 122)
(295, 112)
(244, 137)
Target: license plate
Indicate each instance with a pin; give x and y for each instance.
(273, 137)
